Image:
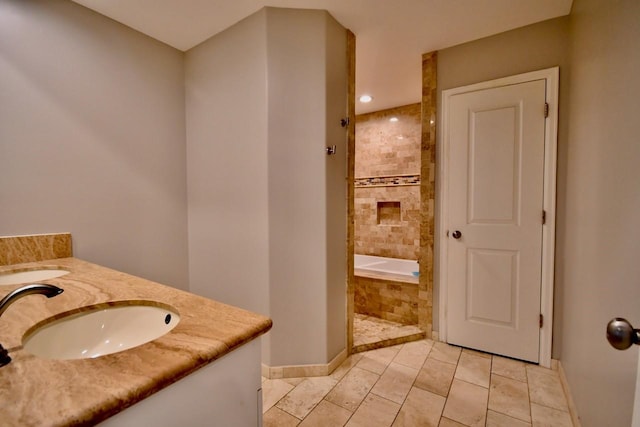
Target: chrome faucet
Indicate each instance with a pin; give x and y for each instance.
(48, 291)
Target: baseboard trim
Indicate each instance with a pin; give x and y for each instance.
(298, 371)
(567, 392)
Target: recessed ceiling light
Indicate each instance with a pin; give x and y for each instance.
(366, 98)
(393, 119)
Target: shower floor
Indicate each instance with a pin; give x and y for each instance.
(372, 332)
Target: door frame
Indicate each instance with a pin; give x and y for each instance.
(551, 75)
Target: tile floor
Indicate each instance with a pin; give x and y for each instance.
(369, 330)
(420, 383)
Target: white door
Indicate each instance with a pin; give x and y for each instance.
(496, 160)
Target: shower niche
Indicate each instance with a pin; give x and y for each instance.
(389, 213)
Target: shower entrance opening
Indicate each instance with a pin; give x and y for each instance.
(387, 228)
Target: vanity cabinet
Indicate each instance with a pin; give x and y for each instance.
(225, 393)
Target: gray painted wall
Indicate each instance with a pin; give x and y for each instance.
(598, 238)
(226, 99)
(92, 138)
(307, 188)
(267, 206)
(599, 242)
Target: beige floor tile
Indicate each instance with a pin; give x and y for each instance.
(345, 366)
(353, 388)
(273, 391)
(509, 368)
(306, 395)
(477, 353)
(467, 403)
(408, 385)
(421, 408)
(548, 417)
(395, 382)
(445, 352)
(545, 388)
(540, 370)
(446, 422)
(326, 414)
(294, 381)
(495, 419)
(377, 361)
(375, 411)
(275, 417)
(369, 329)
(474, 369)
(413, 354)
(509, 397)
(436, 376)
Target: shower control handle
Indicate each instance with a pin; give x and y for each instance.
(456, 234)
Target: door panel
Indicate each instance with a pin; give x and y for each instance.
(493, 166)
(496, 176)
(490, 291)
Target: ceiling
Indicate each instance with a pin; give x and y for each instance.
(391, 35)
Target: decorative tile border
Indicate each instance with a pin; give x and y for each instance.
(387, 181)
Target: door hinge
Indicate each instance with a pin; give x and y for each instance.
(544, 217)
(541, 320)
(546, 110)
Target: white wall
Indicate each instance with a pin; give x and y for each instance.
(92, 137)
(261, 202)
(601, 273)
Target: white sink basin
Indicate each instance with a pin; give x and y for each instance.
(30, 276)
(100, 330)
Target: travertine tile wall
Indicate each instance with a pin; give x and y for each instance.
(387, 172)
(377, 229)
(351, 150)
(428, 190)
(387, 299)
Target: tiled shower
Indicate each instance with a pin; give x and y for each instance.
(387, 222)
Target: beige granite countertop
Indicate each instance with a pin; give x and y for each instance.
(41, 392)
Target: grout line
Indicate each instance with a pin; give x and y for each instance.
(528, 395)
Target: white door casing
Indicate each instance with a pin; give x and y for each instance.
(635, 417)
(497, 176)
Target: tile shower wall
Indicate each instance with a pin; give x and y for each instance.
(387, 183)
(387, 299)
